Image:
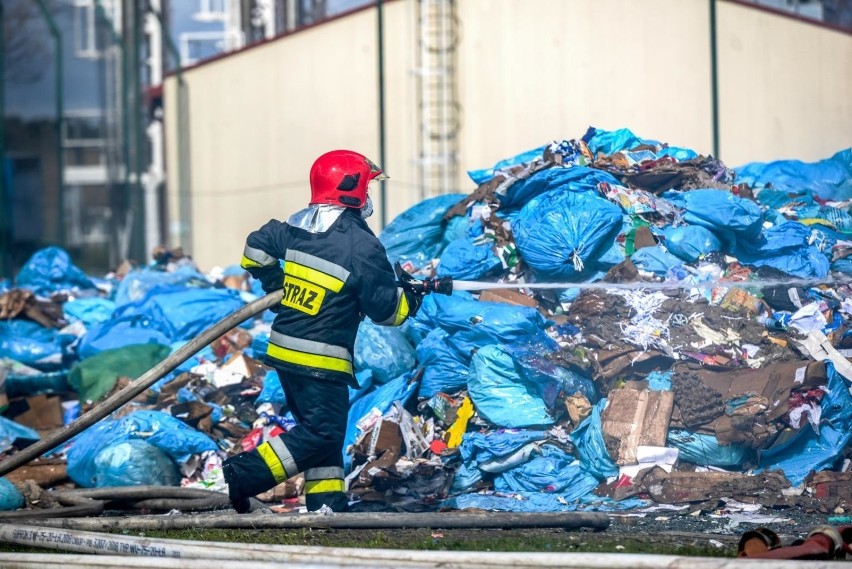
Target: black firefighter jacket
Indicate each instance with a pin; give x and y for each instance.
(330, 281)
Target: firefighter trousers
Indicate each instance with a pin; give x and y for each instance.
(314, 446)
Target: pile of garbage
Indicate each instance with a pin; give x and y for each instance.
(646, 327)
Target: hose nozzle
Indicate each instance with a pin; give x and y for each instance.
(443, 285)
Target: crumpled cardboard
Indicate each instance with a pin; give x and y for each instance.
(635, 416)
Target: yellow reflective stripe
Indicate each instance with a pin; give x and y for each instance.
(247, 263)
(272, 461)
(309, 360)
(312, 275)
(320, 486)
(401, 311)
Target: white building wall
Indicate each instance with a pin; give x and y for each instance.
(529, 71)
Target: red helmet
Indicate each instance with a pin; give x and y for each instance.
(340, 177)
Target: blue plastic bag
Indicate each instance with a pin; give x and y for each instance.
(464, 260)
(589, 442)
(721, 211)
(10, 431)
(134, 463)
(483, 175)
(136, 284)
(689, 242)
(611, 141)
(89, 311)
(472, 324)
(184, 312)
(830, 179)
(31, 344)
(499, 393)
(416, 235)
(660, 380)
(444, 369)
(170, 435)
(384, 350)
(559, 234)
(50, 270)
(554, 471)
(552, 381)
(10, 497)
(399, 389)
(784, 247)
(121, 332)
(272, 391)
(577, 179)
(655, 260)
(705, 450)
(808, 451)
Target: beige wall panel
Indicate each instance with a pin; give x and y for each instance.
(785, 87)
(258, 120)
(533, 71)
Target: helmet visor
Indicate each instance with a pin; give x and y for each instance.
(376, 172)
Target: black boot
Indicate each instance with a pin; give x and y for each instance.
(247, 475)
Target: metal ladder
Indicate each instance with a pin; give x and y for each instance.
(439, 112)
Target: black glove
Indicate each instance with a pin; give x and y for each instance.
(415, 300)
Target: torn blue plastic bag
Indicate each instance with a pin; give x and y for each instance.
(32, 344)
(720, 211)
(134, 463)
(500, 395)
(472, 324)
(577, 179)
(416, 235)
(483, 175)
(50, 270)
(464, 260)
(184, 312)
(136, 284)
(785, 247)
(121, 332)
(690, 242)
(89, 311)
(705, 450)
(655, 260)
(590, 447)
(830, 179)
(384, 350)
(553, 471)
(660, 380)
(807, 451)
(561, 234)
(172, 436)
(609, 142)
(552, 381)
(382, 399)
(444, 369)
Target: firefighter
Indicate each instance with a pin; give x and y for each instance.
(335, 272)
